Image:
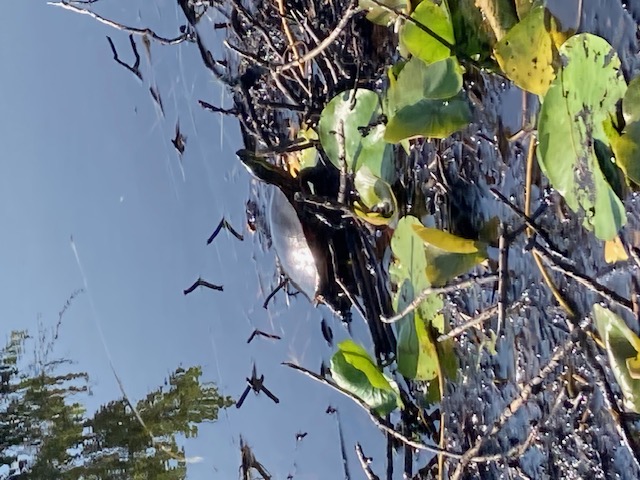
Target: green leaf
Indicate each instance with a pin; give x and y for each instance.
(370, 150)
(447, 255)
(377, 204)
(626, 148)
(309, 156)
(417, 356)
(381, 16)
(416, 81)
(622, 346)
(353, 369)
(425, 100)
(631, 102)
(571, 121)
(527, 53)
(416, 353)
(420, 43)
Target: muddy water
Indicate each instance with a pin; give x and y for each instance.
(579, 438)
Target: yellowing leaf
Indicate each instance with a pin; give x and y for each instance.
(527, 53)
(614, 251)
(448, 242)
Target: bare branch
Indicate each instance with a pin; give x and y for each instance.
(469, 282)
(132, 68)
(118, 26)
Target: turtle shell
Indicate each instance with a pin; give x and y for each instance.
(291, 246)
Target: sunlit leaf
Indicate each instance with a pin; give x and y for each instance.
(309, 156)
(353, 369)
(622, 346)
(527, 54)
(626, 149)
(377, 204)
(420, 43)
(570, 125)
(369, 149)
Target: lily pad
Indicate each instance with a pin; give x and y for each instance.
(571, 122)
(527, 54)
(423, 45)
(364, 142)
(378, 204)
(622, 346)
(353, 369)
(447, 255)
(425, 100)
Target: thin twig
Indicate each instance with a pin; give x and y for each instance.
(459, 285)
(119, 26)
(503, 259)
(202, 283)
(561, 266)
(477, 320)
(314, 52)
(379, 422)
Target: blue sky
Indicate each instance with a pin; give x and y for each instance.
(87, 155)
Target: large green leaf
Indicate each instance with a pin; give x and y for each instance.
(417, 356)
(623, 347)
(425, 100)
(447, 255)
(582, 96)
(420, 43)
(353, 369)
(361, 112)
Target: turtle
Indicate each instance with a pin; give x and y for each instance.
(300, 241)
(321, 252)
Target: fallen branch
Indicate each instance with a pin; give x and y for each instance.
(469, 282)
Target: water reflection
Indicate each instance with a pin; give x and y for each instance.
(46, 431)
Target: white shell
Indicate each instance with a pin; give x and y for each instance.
(290, 245)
